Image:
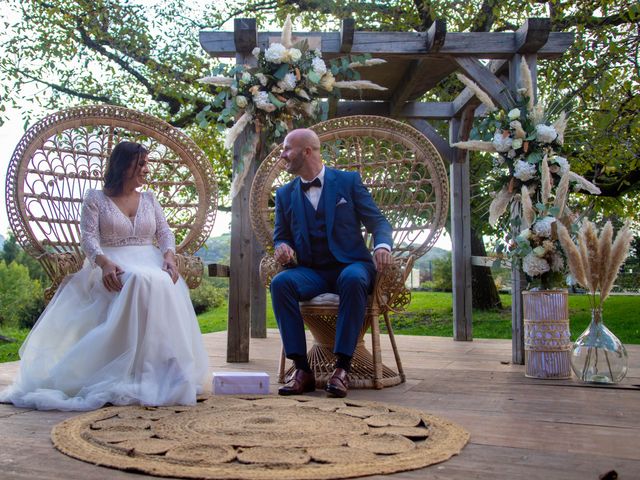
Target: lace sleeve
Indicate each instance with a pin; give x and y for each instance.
(164, 235)
(90, 227)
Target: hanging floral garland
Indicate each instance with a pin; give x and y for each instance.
(534, 179)
(279, 93)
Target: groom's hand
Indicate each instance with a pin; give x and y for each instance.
(284, 254)
(382, 258)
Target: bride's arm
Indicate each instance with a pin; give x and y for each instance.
(166, 241)
(90, 243)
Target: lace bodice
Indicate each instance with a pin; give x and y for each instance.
(103, 224)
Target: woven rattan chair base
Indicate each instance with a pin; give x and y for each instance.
(322, 362)
(261, 438)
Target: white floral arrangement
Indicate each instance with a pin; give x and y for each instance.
(533, 178)
(280, 92)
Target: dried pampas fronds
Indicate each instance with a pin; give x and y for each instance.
(358, 85)
(594, 262)
(234, 131)
(545, 179)
(476, 146)
(478, 92)
(527, 80)
(584, 183)
(528, 214)
(499, 205)
(561, 194)
(536, 114)
(218, 81)
(285, 37)
(367, 63)
(573, 254)
(560, 125)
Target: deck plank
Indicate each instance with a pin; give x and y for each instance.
(520, 427)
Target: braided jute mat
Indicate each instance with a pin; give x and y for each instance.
(261, 438)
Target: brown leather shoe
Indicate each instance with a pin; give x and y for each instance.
(300, 382)
(338, 384)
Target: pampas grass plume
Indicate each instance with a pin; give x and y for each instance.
(528, 213)
(527, 81)
(545, 178)
(619, 252)
(573, 254)
(359, 85)
(561, 194)
(478, 92)
(476, 146)
(499, 205)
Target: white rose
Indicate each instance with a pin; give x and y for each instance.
(275, 53)
(241, 101)
(524, 171)
(516, 143)
(525, 234)
(288, 83)
(501, 142)
(562, 163)
(294, 54)
(319, 66)
(542, 227)
(262, 78)
(255, 52)
(545, 133)
(534, 266)
(246, 77)
(327, 81)
(514, 114)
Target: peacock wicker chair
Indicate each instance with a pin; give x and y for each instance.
(408, 181)
(64, 154)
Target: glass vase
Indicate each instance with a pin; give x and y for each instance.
(597, 355)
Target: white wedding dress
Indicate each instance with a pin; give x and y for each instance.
(90, 347)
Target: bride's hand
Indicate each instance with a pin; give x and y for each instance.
(111, 276)
(169, 266)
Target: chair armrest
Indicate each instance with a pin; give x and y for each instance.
(269, 268)
(58, 266)
(191, 269)
(390, 291)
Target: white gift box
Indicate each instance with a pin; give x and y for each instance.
(237, 383)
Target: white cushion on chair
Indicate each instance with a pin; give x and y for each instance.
(323, 300)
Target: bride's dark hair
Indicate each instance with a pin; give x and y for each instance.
(123, 155)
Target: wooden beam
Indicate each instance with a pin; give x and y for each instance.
(533, 35)
(405, 44)
(245, 34)
(406, 86)
(486, 80)
(426, 110)
(442, 145)
(467, 96)
(436, 35)
(346, 34)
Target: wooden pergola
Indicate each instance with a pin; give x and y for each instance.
(416, 62)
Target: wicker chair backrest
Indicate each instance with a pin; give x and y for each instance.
(401, 168)
(65, 154)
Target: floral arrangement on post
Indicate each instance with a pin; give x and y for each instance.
(532, 178)
(280, 92)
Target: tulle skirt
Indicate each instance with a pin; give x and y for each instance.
(90, 347)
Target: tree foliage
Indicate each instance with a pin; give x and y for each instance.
(147, 56)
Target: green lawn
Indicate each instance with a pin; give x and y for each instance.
(430, 313)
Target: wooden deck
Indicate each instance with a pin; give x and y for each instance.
(520, 427)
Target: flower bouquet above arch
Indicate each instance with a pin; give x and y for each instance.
(280, 92)
(532, 178)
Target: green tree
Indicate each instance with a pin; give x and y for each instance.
(12, 252)
(21, 299)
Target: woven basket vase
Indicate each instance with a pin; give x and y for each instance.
(547, 340)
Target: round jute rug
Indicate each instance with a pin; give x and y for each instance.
(261, 438)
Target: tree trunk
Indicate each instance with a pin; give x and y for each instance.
(483, 289)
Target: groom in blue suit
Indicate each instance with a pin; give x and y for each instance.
(317, 234)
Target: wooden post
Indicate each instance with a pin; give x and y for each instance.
(258, 292)
(238, 327)
(460, 233)
(518, 281)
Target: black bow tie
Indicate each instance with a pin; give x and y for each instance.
(307, 185)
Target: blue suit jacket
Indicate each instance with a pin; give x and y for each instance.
(348, 205)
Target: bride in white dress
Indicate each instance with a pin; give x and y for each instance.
(121, 330)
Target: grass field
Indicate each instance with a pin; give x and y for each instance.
(430, 313)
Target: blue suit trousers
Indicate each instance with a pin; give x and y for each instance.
(352, 282)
